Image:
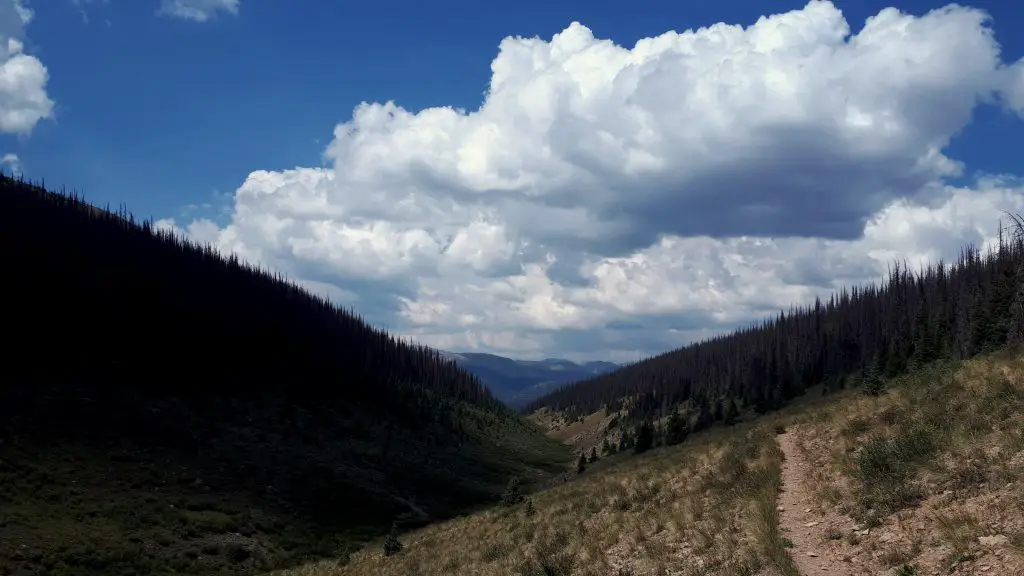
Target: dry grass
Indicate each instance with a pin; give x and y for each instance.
(581, 434)
(933, 471)
(935, 467)
(708, 507)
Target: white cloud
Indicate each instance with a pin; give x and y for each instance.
(197, 10)
(23, 98)
(1013, 88)
(13, 162)
(605, 200)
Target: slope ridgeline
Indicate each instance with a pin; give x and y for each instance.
(857, 338)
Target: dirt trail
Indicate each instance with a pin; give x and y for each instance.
(808, 526)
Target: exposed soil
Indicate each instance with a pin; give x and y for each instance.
(822, 537)
(816, 534)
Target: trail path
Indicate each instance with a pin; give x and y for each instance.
(808, 526)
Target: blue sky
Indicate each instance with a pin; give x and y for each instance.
(167, 113)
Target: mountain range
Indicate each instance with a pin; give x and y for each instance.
(517, 382)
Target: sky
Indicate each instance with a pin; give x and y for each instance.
(583, 179)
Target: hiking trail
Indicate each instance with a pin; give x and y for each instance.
(807, 525)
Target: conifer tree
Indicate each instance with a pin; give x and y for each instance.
(513, 492)
(392, 545)
(593, 455)
(644, 438)
(731, 413)
(704, 418)
(924, 339)
(1000, 302)
(581, 464)
(676, 429)
(657, 435)
(625, 441)
(529, 509)
(874, 383)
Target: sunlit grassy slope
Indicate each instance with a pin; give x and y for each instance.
(932, 471)
(710, 503)
(928, 476)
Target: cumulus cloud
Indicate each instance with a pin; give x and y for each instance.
(1013, 88)
(611, 201)
(12, 162)
(197, 10)
(23, 98)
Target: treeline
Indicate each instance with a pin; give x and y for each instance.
(855, 338)
(96, 299)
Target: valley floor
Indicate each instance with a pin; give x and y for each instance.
(927, 478)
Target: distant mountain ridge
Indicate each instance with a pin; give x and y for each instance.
(517, 382)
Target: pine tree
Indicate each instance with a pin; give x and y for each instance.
(979, 322)
(529, 509)
(874, 383)
(581, 464)
(625, 441)
(513, 492)
(731, 413)
(644, 438)
(1015, 316)
(895, 362)
(1004, 288)
(593, 455)
(925, 346)
(607, 448)
(392, 545)
(704, 418)
(658, 435)
(676, 430)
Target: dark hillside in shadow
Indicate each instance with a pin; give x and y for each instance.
(164, 409)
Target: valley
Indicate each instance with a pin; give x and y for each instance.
(876, 432)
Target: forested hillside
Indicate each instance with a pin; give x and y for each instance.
(157, 392)
(857, 338)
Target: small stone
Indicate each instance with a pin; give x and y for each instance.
(808, 510)
(997, 540)
(782, 508)
(986, 568)
(810, 524)
(812, 554)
